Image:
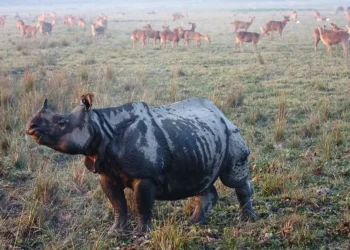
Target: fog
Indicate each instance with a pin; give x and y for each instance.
(7, 6)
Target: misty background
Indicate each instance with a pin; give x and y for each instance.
(6, 6)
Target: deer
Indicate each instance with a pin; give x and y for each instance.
(196, 36)
(19, 24)
(41, 18)
(2, 21)
(150, 33)
(334, 37)
(177, 15)
(102, 21)
(44, 27)
(138, 35)
(316, 15)
(97, 30)
(53, 15)
(316, 35)
(28, 30)
(68, 20)
(335, 27)
(237, 25)
(81, 22)
(274, 26)
(247, 37)
(294, 16)
(167, 35)
(182, 31)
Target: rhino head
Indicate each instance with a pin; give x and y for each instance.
(68, 133)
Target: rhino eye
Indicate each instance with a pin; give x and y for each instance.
(61, 122)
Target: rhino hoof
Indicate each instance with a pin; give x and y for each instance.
(114, 232)
(197, 220)
(247, 215)
(116, 229)
(144, 228)
(108, 216)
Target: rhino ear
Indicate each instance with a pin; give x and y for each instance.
(45, 104)
(87, 100)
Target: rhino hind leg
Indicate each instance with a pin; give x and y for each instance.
(244, 195)
(244, 192)
(145, 193)
(116, 197)
(203, 205)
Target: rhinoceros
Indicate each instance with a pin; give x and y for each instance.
(162, 153)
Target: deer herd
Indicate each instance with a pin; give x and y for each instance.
(329, 37)
(167, 35)
(46, 21)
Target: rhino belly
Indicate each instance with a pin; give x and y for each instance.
(198, 150)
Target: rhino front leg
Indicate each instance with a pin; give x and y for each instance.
(204, 203)
(145, 193)
(116, 196)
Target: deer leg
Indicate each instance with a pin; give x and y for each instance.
(345, 49)
(241, 45)
(329, 48)
(316, 43)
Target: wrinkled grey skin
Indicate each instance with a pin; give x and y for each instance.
(162, 153)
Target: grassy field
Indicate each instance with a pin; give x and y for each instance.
(291, 103)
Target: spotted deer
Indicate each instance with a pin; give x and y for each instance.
(240, 25)
(196, 36)
(150, 33)
(167, 35)
(334, 37)
(247, 37)
(272, 26)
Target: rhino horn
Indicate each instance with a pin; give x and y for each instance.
(87, 100)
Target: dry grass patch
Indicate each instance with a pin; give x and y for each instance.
(109, 73)
(173, 91)
(235, 97)
(324, 109)
(170, 235)
(29, 81)
(311, 126)
(280, 120)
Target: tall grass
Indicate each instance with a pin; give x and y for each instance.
(280, 119)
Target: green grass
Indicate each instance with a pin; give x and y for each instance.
(291, 104)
